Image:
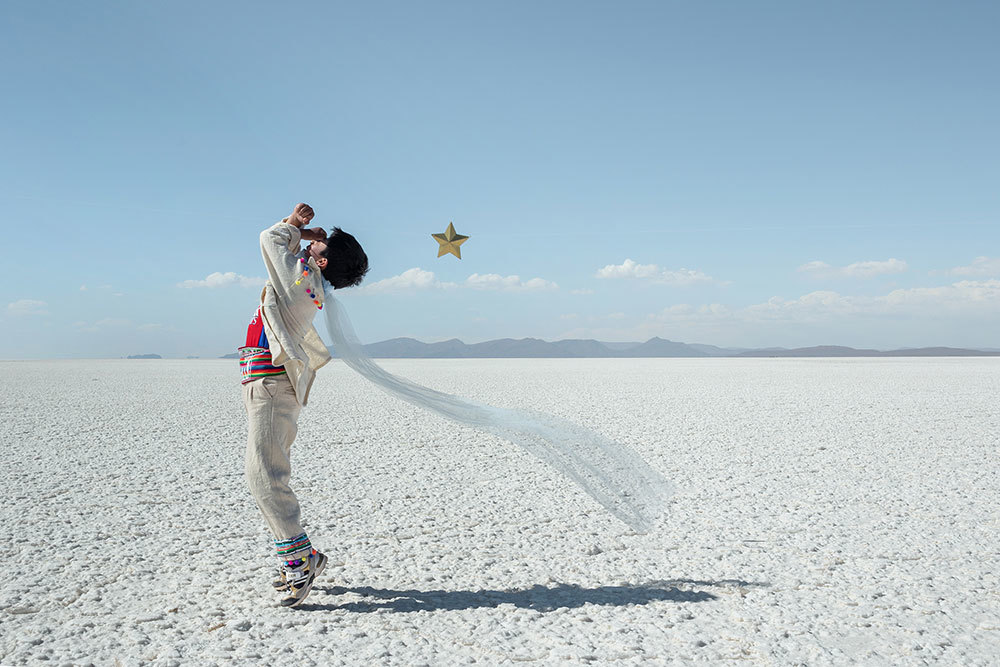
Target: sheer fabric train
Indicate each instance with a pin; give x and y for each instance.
(612, 474)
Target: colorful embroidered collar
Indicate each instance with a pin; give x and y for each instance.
(304, 271)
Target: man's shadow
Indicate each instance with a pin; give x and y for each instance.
(538, 597)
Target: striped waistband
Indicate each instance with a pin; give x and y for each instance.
(255, 362)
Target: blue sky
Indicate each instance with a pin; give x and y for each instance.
(742, 174)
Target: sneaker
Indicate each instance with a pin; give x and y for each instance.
(299, 578)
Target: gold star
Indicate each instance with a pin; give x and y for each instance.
(450, 241)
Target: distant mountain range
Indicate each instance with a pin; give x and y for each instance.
(411, 348)
(527, 347)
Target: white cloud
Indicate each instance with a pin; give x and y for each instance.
(27, 307)
(415, 278)
(628, 269)
(981, 266)
(868, 269)
(420, 279)
(978, 295)
(227, 279)
(815, 267)
(652, 272)
(493, 281)
(875, 268)
(808, 307)
(152, 326)
(105, 324)
(83, 288)
(968, 297)
(684, 311)
(960, 314)
(113, 322)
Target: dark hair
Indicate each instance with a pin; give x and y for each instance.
(346, 261)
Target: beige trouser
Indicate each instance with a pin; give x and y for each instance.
(273, 411)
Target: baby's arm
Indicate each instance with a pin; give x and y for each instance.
(301, 215)
(279, 245)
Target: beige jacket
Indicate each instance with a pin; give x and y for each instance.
(288, 312)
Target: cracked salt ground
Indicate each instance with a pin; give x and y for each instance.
(830, 511)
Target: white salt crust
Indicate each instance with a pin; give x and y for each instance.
(829, 511)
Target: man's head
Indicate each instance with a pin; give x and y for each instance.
(340, 258)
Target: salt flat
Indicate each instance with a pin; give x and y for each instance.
(830, 511)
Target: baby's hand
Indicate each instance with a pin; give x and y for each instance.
(301, 215)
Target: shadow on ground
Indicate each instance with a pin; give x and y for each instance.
(538, 597)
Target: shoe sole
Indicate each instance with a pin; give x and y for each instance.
(320, 566)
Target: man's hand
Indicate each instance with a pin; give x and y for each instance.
(301, 215)
(314, 234)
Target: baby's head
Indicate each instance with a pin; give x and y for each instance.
(341, 259)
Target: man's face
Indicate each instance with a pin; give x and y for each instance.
(315, 249)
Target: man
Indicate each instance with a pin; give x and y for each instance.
(278, 363)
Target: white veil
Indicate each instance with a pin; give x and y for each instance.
(612, 474)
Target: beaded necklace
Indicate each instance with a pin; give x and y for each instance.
(311, 293)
